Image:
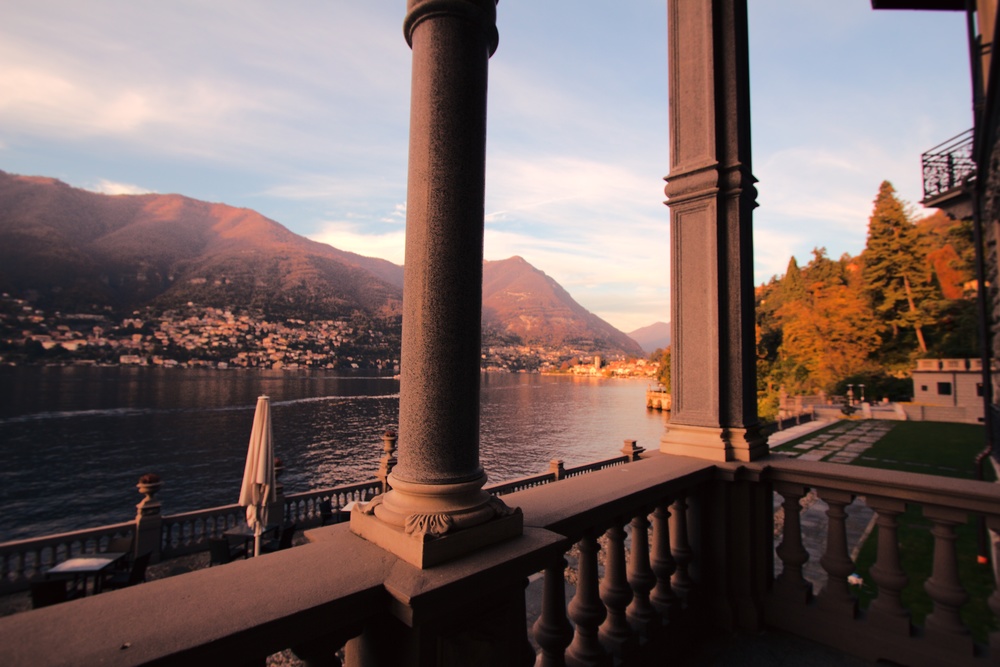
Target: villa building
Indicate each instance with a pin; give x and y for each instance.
(948, 390)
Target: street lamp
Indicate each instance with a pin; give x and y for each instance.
(862, 392)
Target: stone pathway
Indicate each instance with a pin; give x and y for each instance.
(843, 443)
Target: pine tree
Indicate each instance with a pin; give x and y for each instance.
(894, 275)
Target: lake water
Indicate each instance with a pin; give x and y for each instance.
(76, 439)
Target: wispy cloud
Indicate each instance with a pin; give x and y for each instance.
(107, 187)
(350, 236)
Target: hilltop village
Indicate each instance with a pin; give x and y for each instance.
(208, 337)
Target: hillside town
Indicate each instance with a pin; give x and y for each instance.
(209, 337)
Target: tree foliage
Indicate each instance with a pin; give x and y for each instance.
(910, 293)
(895, 272)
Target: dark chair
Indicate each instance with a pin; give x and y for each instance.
(45, 593)
(221, 552)
(123, 545)
(283, 542)
(325, 511)
(134, 575)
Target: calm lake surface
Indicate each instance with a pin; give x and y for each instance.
(76, 439)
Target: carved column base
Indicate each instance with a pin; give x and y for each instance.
(430, 524)
(714, 443)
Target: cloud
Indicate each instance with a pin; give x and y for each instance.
(107, 187)
(354, 238)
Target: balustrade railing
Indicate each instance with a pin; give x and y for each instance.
(319, 506)
(657, 549)
(886, 630)
(22, 561)
(189, 532)
(948, 165)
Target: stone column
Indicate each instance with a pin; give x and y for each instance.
(436, 486)
(711, 196)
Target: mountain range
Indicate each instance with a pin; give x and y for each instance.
(68, 248)
(653, 337)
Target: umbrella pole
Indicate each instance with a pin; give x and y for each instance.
(256, 540)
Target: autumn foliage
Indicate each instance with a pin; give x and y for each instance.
(910, 293)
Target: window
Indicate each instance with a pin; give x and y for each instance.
(979, 389)
(923, 387)
(944, 389)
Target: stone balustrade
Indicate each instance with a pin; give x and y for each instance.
(885, 630)
(22, 561)
(661, 529)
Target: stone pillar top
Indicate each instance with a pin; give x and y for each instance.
(483, 12)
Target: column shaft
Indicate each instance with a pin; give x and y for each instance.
(711, 198)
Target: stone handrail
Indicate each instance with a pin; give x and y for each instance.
(520, 484)
(184, 533)
(22, 561)
(596, 465)
(701, 542)
(189, 532)
(557, 472)
(306, 509)
(886, 631)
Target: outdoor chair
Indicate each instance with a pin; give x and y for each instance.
(134, 575)
(46, 593)
(283, 542)
(325, 511)
(221, 552)
(123, 545)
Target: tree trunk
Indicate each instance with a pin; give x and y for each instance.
(913, 309)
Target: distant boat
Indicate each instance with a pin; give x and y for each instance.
(658, 398)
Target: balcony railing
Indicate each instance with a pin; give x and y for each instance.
(948, 165)
(24, 561)
(685, 544)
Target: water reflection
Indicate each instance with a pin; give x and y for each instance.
(75, 440)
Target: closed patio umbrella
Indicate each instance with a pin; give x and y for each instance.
(259, 481)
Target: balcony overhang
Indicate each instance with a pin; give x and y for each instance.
(937, 5)
(957, 203)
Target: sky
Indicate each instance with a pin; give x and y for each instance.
(301, 110)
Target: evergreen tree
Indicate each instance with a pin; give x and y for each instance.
(894, 275)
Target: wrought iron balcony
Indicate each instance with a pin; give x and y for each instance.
(948, 166)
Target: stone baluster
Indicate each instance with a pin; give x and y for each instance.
(616, 632)
(993, 523)
(943, 623)
(553, 632)
(664, 599)
(641, 613)
(322, 651)
(681, 549)
(836, 595)
(790, 583)
(587, 611)
(886, 611)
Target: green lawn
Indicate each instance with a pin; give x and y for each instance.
(935, 448)
(941, 449)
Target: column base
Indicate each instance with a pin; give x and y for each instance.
(714, 443)
(424, 550)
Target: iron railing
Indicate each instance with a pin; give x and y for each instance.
(948, 165)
